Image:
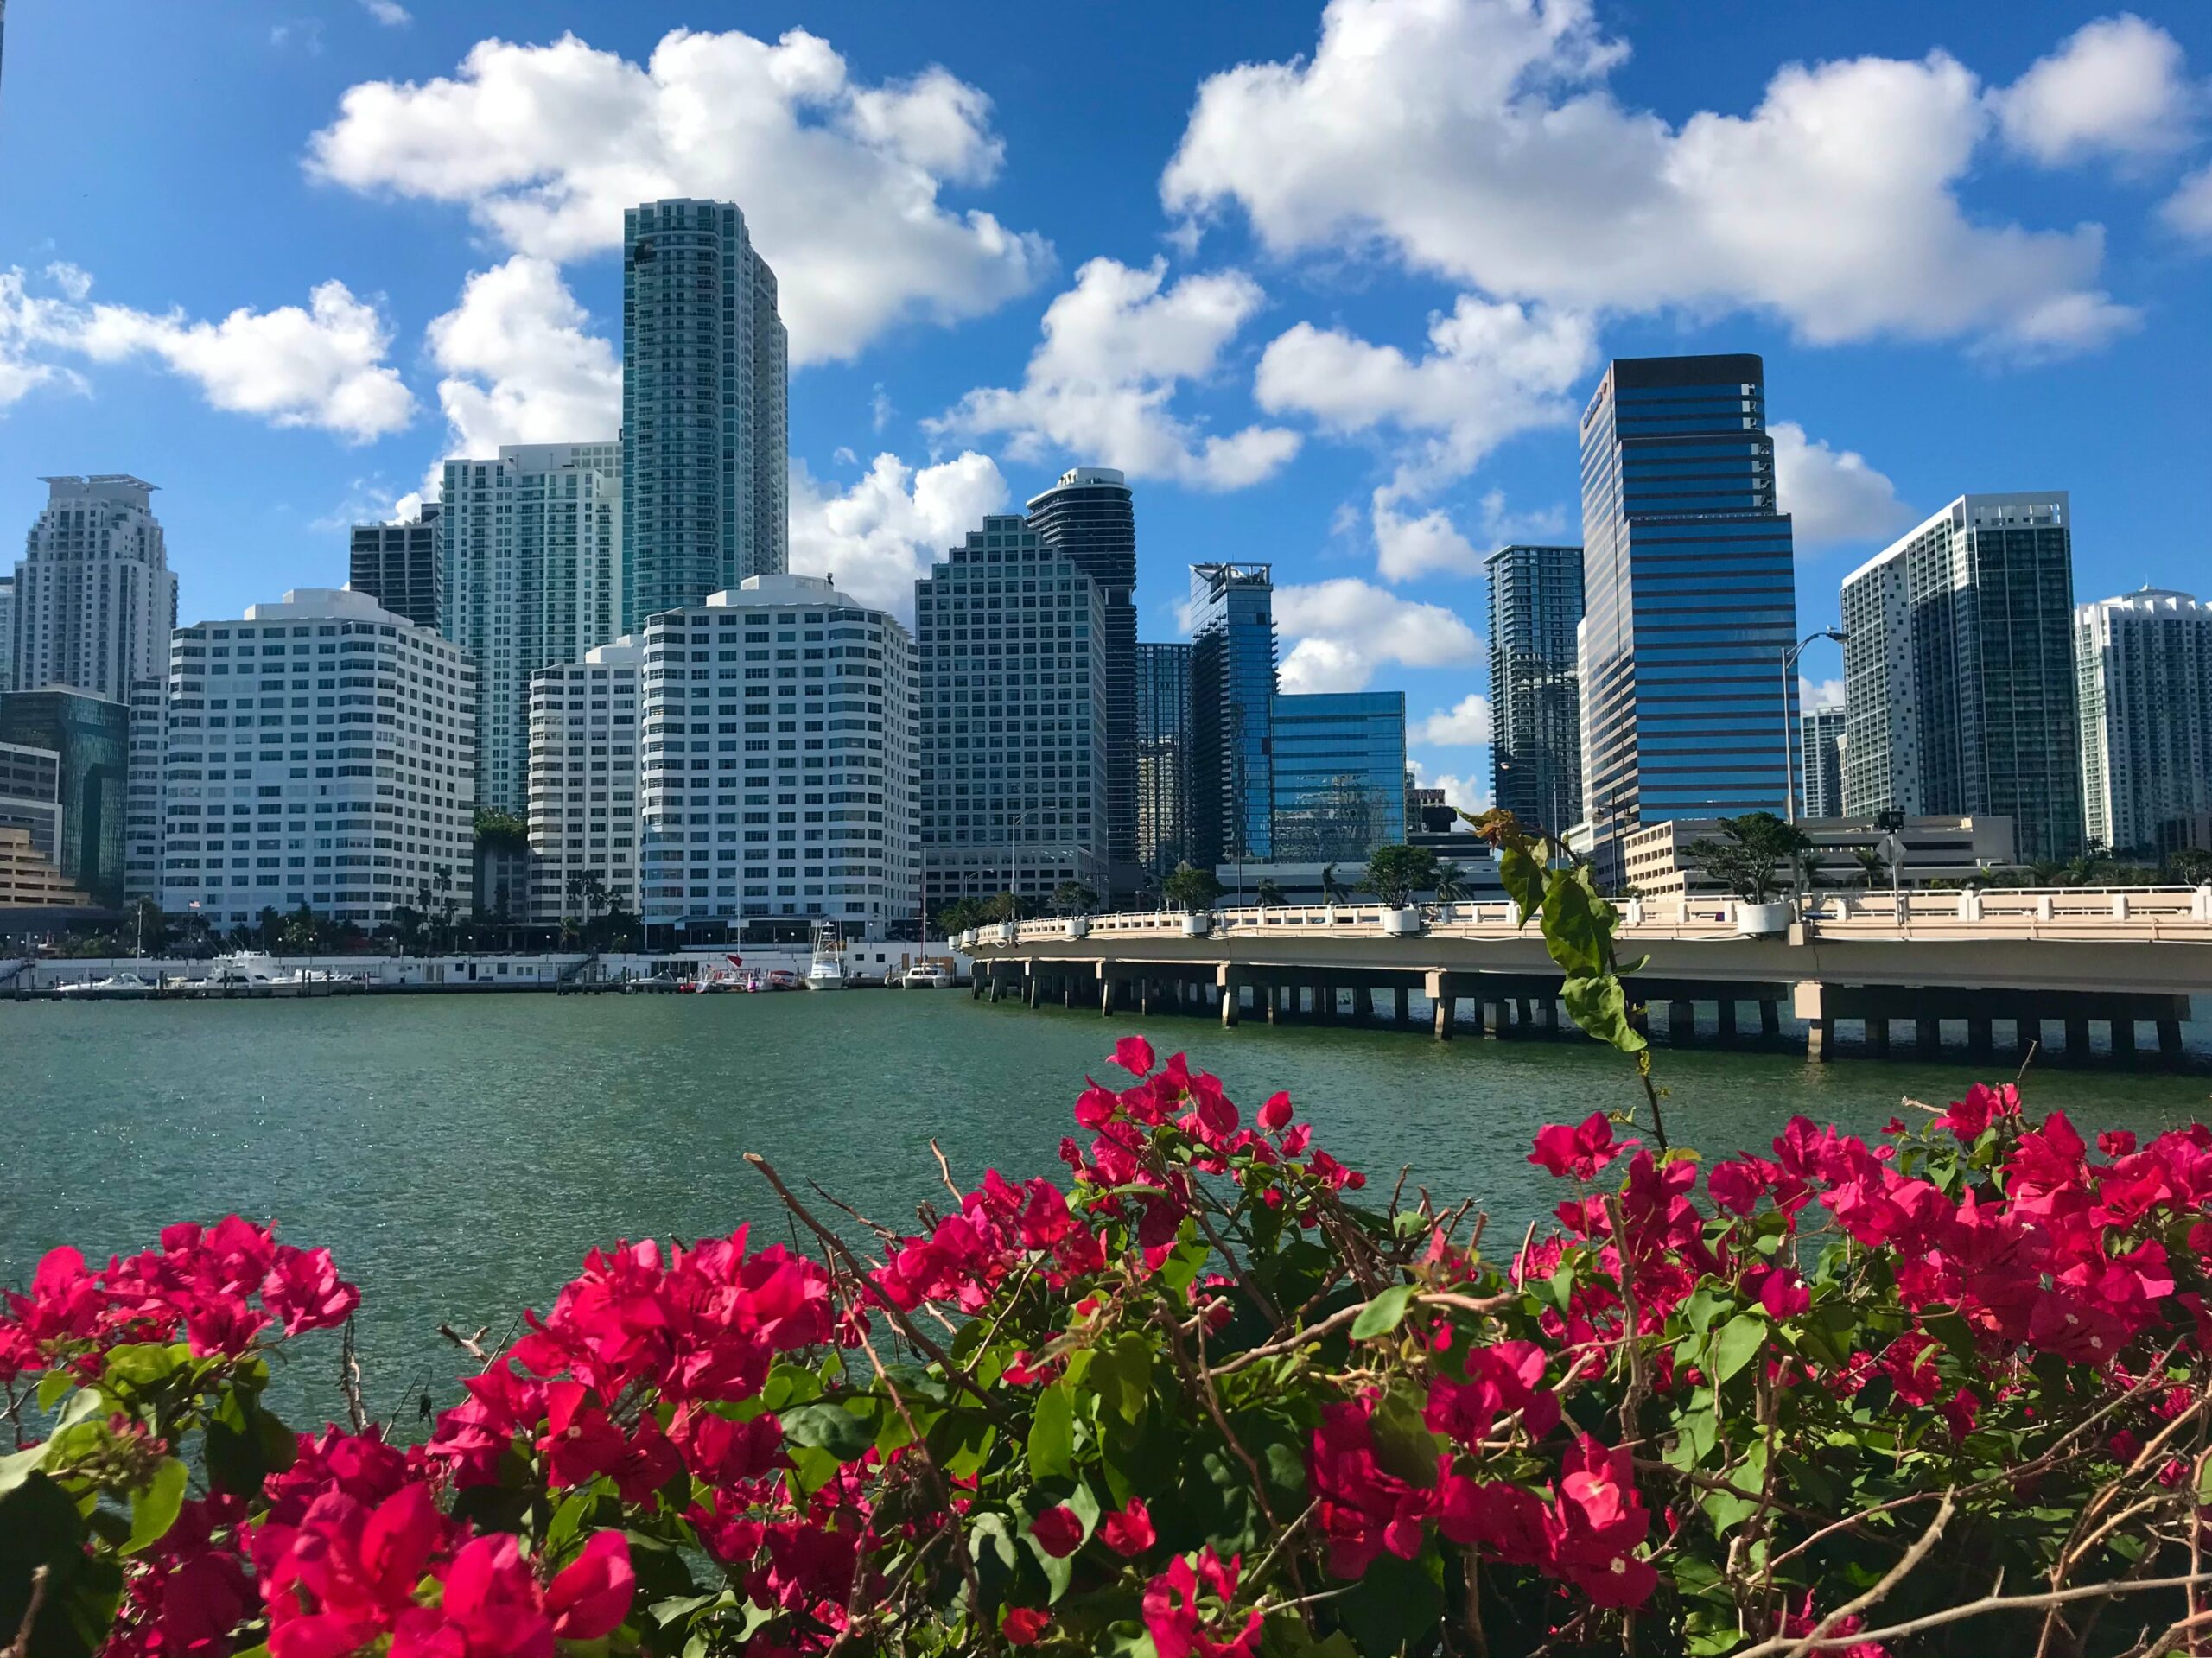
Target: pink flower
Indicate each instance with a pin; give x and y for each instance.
(1276, 1114)
(1058, 1532)
(1983, 1104)
(1781, 1292)
(1133, 1055)
(1129, 1531)
(1172, 1618)
(303, 1289)
(491, 1598)
(1502, 1378)
(591, 1596)
(1580, 1150)
(1024, 1626)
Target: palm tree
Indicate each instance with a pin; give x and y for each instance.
(1332, 890)
(1269, 894)
(1872, 868)
(1451, 882)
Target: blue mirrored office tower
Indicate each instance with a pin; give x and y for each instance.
(1340, 775)
(1689, 600)
(1232, 698)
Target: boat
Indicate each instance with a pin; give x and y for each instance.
(246, 972)
(827, 970)
(781, 978)
(123, 987)
(926, 975)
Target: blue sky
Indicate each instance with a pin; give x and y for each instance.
(1331, 285)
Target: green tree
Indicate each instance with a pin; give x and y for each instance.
(1073, 897)
(1451, 882)
(1872, 866)
(144, 926)
(1754, 857)
(1271, 895)
(1192, 888)
(1332, 890)
(1006, 906)
(271, 923)
(499, 828)
(1394, 873)
(303, 931)
(2191, 866)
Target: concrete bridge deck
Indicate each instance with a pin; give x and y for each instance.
(2118, 957)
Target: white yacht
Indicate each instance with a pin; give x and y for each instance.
(827, 971)
(927, 975)
(248, 973)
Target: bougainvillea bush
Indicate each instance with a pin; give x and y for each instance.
(1205, 1393)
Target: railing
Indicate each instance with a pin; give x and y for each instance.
(2130, 914)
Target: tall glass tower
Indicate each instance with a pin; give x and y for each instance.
(2144, 663)
(705, 420)
(1163, 756)
(1689, 598)
(1088, 518)
(1339, 775)
(1232, 702)
(1536, 756)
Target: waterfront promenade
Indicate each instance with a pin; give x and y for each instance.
(2071, 958)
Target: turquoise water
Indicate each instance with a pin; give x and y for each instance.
(459, 1153)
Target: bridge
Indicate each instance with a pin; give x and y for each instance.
(2121, 956)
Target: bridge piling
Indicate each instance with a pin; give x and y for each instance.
(2123, 1038)
(2169, 1039)
(1724, 1020)
(1681, 1024)
(1877, 1035)
(1980, 1038)
(1926, 1037)
(2077, 1038)
(1820, 1040)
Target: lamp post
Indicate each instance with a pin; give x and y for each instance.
(1789, 727)
(1012, 865)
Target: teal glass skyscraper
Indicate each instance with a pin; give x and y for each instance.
(1232, 711)
(705, 374)
(1689, 600)
(1536, 754)
(1339, 775)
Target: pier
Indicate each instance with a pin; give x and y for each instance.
(2044, 968)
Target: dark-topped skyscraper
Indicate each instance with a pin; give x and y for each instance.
(1089, 518)
(397, 565)
(705, 420)
(1232, 713)
(1689, 600)
(1536, 756)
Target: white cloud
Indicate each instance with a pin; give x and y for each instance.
(1819, 693)
(520, 364)
(547, 145)
(1832, 495)
(1100, 386)
(371, 501)
(879, 537)
(320, 366)
(1344, 628)
(1465, 724)
(390, 13)
(2118, 86)
(1490, 371)
(1477, 139)
(1407, 546)
(2188, 210)
(1469, 793)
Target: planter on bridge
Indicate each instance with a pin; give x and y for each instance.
(1401, 922)
(1194, 926)
(1075, 926)
(1761, 920)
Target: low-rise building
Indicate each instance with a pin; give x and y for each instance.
(1927, 850)
(584, 813)
(321, 751)
(28, 879)
(90, 738)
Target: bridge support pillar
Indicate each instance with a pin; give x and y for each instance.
(1067, 991)
(1770, 1018)
(1403, 1000)
(2170, 1038)
(1105, 995)
(1494, 1018)
(1438, 987)
(1033, 991)
(1820, 1040)
(1926, 1037)
(2077, 1036)
(1362, 1004)
(1681, 1024)
(1877, 1036)
(1724, 1023)
(1231, 992)
(1548, 1015)
(1980, 1043)
(2123, 1036)
(2027, 1036)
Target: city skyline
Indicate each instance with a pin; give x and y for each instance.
(1324, 379)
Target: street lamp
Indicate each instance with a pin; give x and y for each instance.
(1788, 731)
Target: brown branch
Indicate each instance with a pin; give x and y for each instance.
(1982, 1608)
(471, 1345)
(944, 1173)
(349, 1379)
(21, 1645)
(1632, 1395)
(1818, 1640)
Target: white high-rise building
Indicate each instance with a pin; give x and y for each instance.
(778, 763)
(1820, 760)
(7, 633)
(584, 814)
(2144, 667)
(321, 751)
(95, 598)
(530, 547)
(142, 795)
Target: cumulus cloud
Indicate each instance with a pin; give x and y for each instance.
(390, 13)
(2188, 210)
(1819, 693)
(519, 364)
(1490, 371)
(2115, 87)
(879, 537)
(1102, 383)
(1409, 545)
(1344, 629)
(1477, 139)
(1468, 792)
(321, 365)
(545, 146)
(1465, 724)
(1832, 495)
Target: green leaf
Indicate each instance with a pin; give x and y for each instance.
(52, 1386)
(17, 1465)
(1578, 929)
(1523, 877)
(154, 1509)
(1599, 1006)
(830, 1427)
(1383, 1314)
(1052, 1433)
(145, 1364)
(1395, 1606)
(1738, 1341)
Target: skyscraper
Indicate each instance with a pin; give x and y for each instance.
(1089, 518)
(584, 814)
(704, 409)
(1536, 756)
(530, 547)
(7, 633)
(806, 818)
(1339, 775)
(145, 788)
(1958, 674)
(1232, 713)
(2144, 667)
(1011, 645)
(397, 565)
(89, 736)
(1689, 598)
(1163, 756)
(95, 598)
(1819, 761)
